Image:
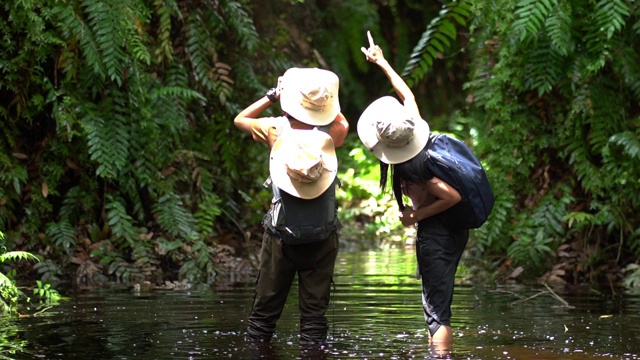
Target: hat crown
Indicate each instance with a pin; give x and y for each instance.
(391, 132)
(395, 132)
(304, 164)
(315, 97)
(310, 95)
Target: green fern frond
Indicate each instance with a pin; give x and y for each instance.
(14, 177)
(174, 217)
(494, 234)
(106, 22)
(558, 26)
(146, 166)
(542, 230)
(80, 30)
(17, 256)
(629, 141)
(221, 74)
(630, 69)
(164, 10)
(184, 94)
(610, 16)
(531, 17)
(606, 118)
(169, 100)
(439, 35)
(49, 271)
(176, 76)
(543, 68)
(607, 18)
(143, 254)
(63, 235)
(136, 44)
(121, 224)
(208, 212)
(241, 22)
(200, 48)
(108, 139)
(72, 202)
(122, 270)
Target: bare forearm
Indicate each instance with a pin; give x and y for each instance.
(243, 120)
(401, 87)
(411, 216)
(432, 209)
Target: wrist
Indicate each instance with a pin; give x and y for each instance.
(271, 95)
(414, 216)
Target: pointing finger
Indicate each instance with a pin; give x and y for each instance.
(371, 43)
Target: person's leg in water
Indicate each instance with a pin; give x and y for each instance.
(274, 281)
(316, 263)
(439, 250)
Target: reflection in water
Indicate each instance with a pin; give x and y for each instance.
(375, 314)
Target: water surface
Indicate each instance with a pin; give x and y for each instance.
(375, 314)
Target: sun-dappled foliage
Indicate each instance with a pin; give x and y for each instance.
(119, 162)
(114, 115)
(556, 83)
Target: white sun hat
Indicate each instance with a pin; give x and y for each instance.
(389, 132)
(310, 95)
(303, 162)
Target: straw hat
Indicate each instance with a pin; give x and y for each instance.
(390, 133)
(303, 162)
(310, 95)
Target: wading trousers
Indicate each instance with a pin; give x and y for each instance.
(279, 263)
(439, 250)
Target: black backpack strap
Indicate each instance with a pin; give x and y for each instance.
(324, 128)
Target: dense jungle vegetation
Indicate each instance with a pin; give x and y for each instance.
(119, 162)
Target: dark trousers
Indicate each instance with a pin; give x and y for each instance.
(439, 250)
(279, 263)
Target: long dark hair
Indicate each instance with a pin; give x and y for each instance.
(414, 170)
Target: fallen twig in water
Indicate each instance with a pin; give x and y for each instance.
(43, 310)
(542, 292)
(557, 296)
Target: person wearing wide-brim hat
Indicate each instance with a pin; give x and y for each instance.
(307, 96)
(302, 163)
(397, 135)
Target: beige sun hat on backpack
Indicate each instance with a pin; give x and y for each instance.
(303, 162)
(310, 95)
(390, 132)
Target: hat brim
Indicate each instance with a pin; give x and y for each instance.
(388, 107)
(285, 145)
(291, 97)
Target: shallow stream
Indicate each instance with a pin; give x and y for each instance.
(375, 314)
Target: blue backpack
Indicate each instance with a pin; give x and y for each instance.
(452, 161)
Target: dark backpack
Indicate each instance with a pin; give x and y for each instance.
(301, 221)
(452, 161)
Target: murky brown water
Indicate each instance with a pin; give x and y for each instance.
(376, 314)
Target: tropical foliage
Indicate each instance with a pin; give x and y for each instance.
(10, 294)
(556, 83)
(119, 162)
(115, 116)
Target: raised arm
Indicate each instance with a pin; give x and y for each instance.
(374, 54)
(245, 118)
